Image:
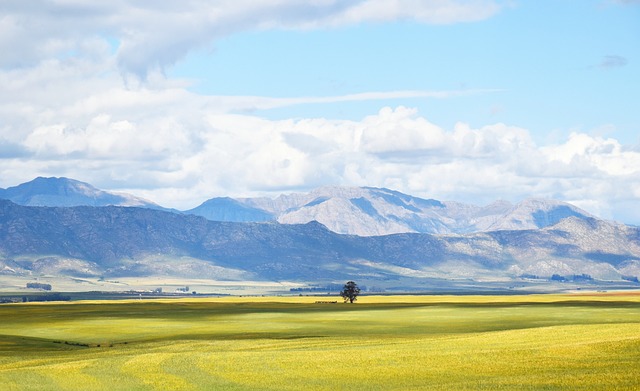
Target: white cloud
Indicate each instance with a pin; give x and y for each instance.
(625, 2)
(154, 35)
(398, 132)
(592, 155)
(432, 12)
(253, 103)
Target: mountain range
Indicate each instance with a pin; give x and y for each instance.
(368, 211)
(58, 226)
(363, 211)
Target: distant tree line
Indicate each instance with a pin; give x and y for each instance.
(37, 285)
(582, 277)
(47, 297)
(325, 288)
(575, 278)
(557, 277)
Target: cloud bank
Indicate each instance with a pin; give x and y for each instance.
(178, 149)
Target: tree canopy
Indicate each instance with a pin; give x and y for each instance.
(350, 292)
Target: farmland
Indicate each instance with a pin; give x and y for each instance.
(587, 341)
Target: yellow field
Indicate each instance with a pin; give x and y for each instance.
(548, 342)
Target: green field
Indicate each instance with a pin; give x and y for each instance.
(546, 342)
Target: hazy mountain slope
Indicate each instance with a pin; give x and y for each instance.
(228, 209)
(68, 192)
(535, 213)
(354, 216)
(368, 211)
(573, 246)
(355, 210)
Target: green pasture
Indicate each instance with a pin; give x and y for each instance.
(538, 342)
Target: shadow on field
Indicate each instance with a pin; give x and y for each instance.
(191, 310)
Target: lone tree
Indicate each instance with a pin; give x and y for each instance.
(350, 292)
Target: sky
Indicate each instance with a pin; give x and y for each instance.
(456, 100)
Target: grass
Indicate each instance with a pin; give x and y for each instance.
(537, 342)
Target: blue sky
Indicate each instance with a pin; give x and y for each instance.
(552, 67)
(463, 100)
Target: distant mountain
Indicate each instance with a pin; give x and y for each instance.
(368, 211)
(363, 211)
(228, 209)
(68, 192)
(536, 213)
(116, 241)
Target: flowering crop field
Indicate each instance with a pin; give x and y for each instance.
(538, 342)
